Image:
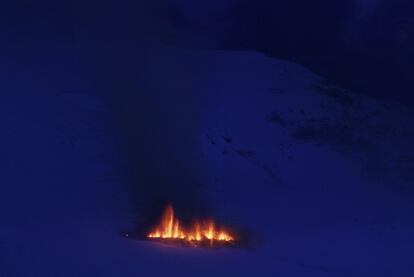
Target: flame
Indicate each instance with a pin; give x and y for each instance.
(171, 228)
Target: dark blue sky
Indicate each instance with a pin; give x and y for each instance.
(364, 46)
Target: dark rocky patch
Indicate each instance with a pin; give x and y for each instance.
(246, 153)
(276, 118)
(228, 139)
(339, 135)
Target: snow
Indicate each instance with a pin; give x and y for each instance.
(318, 176)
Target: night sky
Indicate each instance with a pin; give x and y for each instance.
(288, 120)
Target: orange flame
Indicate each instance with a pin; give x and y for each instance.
(171, 228)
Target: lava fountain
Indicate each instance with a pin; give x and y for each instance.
(200, 232)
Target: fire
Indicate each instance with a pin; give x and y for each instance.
(200, 231)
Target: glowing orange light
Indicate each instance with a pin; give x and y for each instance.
(170, 228)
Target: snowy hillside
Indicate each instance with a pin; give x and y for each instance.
(319, 177)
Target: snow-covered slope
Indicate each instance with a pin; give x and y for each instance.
(319, 177)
